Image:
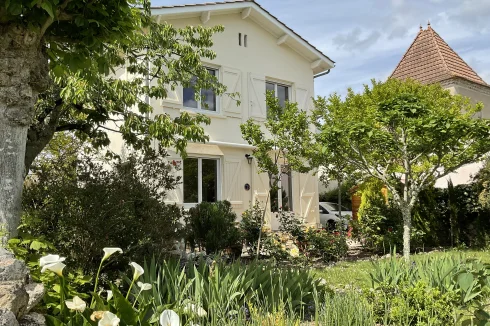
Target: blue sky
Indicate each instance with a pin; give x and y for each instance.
(367, 38)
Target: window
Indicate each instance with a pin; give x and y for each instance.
(200, 180)
(280, 91)
(208, 97)
(286, 191)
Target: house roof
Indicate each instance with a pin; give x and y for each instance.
(430, 59)
(250, 9)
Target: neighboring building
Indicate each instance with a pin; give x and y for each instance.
(431, 60)
(255, 53)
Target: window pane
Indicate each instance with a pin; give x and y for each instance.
(282, 94)
(208, 96)
(190, 180)
(189, 95)
(287, 192)
(209, 180)
(269, 87)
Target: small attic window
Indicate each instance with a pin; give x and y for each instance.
(245, 40)
(240, 39)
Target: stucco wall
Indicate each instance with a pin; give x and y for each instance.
(245, 70)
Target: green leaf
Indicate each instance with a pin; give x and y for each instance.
(465, 281)
(48, 8)
(14, 8)
(52, 321)
(124, 308)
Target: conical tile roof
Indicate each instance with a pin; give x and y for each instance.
(430, 59)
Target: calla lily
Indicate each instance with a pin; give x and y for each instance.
(109, 295)
(138, 270)
(109, 251)
(144, 286)
(109, 319)
(76, 304)
(169, 318)
(192, 308)
(50, 259)
(55, 267)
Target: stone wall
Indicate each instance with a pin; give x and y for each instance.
(18, 294)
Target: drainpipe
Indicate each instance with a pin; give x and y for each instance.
(322, 74)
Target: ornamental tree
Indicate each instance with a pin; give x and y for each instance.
(280, 143)
(405, 134)
(59, 63)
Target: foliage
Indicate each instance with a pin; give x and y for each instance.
(30, 249)
(348, 308)
(324, 244)
(212, 226)
(224, 289)
(402, 130)
(416, 304)
(282, 147)
(466, 279)
(80, 203)
(250, 226)
(291, 224)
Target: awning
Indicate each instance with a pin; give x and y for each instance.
(203, 149)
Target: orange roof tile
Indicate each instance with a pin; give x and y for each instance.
(430, 59)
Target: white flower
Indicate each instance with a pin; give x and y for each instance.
(76, 304)
(109, 319)
(55, 267)
(144, 286)
(199, 311)
(322, 281)
(109, 295)
(50, 259)
(294, 252)
(138, 270)
(109, 251)
(169, 318)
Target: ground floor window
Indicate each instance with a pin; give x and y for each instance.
(200, 180)
(285, 191)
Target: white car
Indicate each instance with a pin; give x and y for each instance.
(330, 217)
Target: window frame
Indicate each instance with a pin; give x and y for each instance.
(200, 108)
(280, 83)
(199, 179)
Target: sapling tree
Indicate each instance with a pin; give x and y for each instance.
(405, 134)
(281, 143)
(60, 61)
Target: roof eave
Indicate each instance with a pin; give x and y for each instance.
(320, 64)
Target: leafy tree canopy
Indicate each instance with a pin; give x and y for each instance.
(405, 134)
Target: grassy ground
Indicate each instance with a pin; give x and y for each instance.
(355, 273)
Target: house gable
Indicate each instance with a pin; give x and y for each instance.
(249, 10)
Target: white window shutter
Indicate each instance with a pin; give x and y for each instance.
(176, 195)
(233, 181)
(256, 94)
(232, 79)
(260, 187)
(308, 198)
(174, 96)
(303, 98)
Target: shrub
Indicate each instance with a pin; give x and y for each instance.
(250, 226)
(324, 244)
(212, 226)
(416, 304)
(81, 203)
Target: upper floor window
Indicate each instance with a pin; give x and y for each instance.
(279, 90)
(208, 96)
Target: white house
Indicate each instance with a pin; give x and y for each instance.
(255, 53)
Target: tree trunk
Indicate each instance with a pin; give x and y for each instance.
(23, 74)
(407, 227)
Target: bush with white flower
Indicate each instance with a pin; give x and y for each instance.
(116, 309)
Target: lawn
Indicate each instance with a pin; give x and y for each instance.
(355, 273)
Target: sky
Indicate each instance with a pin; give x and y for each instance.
(367, 38)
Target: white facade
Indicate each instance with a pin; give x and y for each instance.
(274, 54)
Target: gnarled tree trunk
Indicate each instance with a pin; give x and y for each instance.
(23, 74)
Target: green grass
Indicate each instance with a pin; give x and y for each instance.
(356, 273)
